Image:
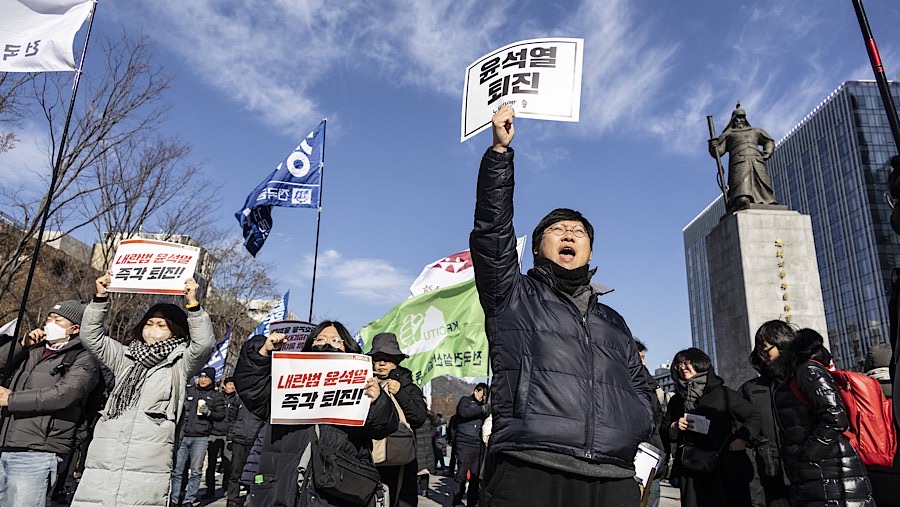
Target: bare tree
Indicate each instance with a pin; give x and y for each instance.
(12, 105)
(117, 171)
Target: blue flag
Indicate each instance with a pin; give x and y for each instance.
(220, 354)
(295, 183)
(274, 315)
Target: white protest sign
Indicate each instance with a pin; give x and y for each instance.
(152, 267)
(539, 78)
(320, 388)
(646, 462)
(296, 332)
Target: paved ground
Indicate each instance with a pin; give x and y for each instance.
(439, 495)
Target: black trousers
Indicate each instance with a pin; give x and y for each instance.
(516, 483)
(215, 449)
(239, 453)
(402, 483)
(468, 459)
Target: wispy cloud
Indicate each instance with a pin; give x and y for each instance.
(364, 279)
(28, 162)
(620, 79)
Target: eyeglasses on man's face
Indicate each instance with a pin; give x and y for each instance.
(559, 230)
(764, 352)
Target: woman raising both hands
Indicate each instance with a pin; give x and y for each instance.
(129, 461)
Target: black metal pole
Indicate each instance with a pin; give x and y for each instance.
(45, 212)
(878, 69)
(312, 292)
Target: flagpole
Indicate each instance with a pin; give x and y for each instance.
(48, 199)
(312, 292)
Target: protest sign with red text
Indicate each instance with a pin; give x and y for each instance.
(320, 388)
(152, 267)
(295, 331)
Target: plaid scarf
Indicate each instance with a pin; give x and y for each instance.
(128, 387)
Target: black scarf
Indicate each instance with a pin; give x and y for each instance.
(128, 388)
(566, 280)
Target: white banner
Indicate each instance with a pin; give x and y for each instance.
(152, 267)
(320, 388)
(296, 332)
(450, 270)
(37, 35)
(539, 78)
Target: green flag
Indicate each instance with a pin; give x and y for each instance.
(442, 331)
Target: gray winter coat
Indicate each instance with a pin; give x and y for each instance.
(46, 406)
(129, 462)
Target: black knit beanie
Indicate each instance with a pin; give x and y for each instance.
(559, 215)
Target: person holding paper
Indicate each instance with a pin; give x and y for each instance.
(570, 402)
(712, 425)
(129, 461)
(284, 445)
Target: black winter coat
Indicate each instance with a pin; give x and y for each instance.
(283, 445)
(194, 424)
(562, 382)
(758, 392)
(409, 397)
(245, 426)
(470, 416)
(822, 466)
(424, 439)
(730, 417)
(45, 408)
(220, 428)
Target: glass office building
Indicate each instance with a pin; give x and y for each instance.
(834, 166)
(699, 294)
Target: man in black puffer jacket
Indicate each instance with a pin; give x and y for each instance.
(570, 402)
(242, 432)
(203, 406)
(471, 411)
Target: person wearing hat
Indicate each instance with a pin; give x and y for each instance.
(129, 460)
(398, 382)
(203, 407)
(569, 400)
(51, 374)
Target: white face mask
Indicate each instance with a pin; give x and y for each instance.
(154, 335)
(54, 332)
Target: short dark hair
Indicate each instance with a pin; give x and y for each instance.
(560, 215)
(481, 387)
(350, 345)
(699, 359)
(775, 332)
(227, 380)
(640, 345)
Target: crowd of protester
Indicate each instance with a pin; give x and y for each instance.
(131, 422)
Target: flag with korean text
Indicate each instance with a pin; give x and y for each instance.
(38, 35)
(295, 183)
(220, 354)
(442, 331)
(274, 315)
(450, 270)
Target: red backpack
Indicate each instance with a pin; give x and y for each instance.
(871, 431)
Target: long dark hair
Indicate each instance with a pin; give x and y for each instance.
(699, 359)
(173, 315)
(350, 345)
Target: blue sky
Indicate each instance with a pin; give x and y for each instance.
(254, 77)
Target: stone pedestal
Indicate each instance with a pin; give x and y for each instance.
(762, 266)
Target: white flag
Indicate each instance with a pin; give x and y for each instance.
(450, 270)
(37, 35)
